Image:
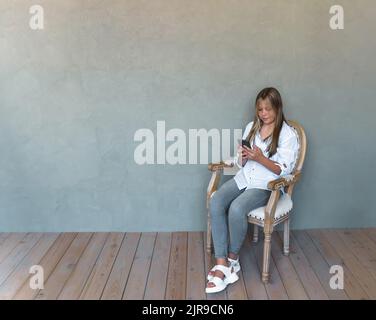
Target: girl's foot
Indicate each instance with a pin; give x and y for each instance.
(233, 259)
(223, 276)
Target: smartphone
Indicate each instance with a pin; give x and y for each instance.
(246, 143)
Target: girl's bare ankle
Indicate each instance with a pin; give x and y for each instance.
(233, 256)
(222, 261)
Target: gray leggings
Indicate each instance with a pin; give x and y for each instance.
(238, 203)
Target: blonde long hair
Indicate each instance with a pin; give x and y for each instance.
(275, 100)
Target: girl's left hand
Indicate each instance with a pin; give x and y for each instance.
(254, 154)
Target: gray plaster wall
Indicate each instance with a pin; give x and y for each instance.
(73, 95)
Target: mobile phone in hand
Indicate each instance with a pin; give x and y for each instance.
(246, 143)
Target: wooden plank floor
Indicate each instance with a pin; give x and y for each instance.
(174, 266)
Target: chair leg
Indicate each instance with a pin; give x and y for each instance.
(286, 237)
(209, 238)
(266, 260)
(255, 233)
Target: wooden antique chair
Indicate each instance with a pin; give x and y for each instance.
(278, 207)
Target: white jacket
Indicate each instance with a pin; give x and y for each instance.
(255, 175)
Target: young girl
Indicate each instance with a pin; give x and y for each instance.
(273, 151)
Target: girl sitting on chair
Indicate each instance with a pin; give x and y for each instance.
(273, 151)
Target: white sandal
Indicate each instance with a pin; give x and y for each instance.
(233, 263)
(221, 284)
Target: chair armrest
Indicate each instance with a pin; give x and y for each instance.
(270, 210)
(217, 169)
(220, 165)
(284, 181)
(213, 185)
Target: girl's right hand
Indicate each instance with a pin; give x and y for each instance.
(242, 155)
(241, 152)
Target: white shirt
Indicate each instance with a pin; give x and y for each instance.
(254, 174)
